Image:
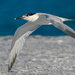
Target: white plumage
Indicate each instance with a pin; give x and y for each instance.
(35, 21)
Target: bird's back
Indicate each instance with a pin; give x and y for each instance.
(42, 20)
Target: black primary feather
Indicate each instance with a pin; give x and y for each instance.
(9, 67)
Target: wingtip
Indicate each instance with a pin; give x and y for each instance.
(9, 67)
(11, 64)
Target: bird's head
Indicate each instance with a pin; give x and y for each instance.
(29, 17)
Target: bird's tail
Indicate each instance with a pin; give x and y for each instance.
(65, 19)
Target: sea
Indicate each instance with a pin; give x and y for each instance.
(10, 9)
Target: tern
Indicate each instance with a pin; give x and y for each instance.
(35, 20)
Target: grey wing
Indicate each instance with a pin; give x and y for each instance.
(19, 40)
(57, 22)
(66, 29)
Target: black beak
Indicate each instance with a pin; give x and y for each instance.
(18, 18)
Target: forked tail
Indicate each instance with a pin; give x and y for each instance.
(65, 19)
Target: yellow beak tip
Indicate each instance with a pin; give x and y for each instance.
(14, 18)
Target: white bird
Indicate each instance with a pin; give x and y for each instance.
(35, 21)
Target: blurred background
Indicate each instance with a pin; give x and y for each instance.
(9, 9)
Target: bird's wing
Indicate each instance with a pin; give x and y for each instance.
(60, 25)
(19, 40)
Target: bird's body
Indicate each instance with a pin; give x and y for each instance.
(35, 21)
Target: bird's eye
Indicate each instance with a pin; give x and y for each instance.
(27, 14)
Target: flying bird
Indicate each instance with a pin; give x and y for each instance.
(35, 20)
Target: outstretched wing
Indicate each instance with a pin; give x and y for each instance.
(19, 40)
(66, 29)
(57, 22)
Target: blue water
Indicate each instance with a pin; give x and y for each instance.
(9, 9)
